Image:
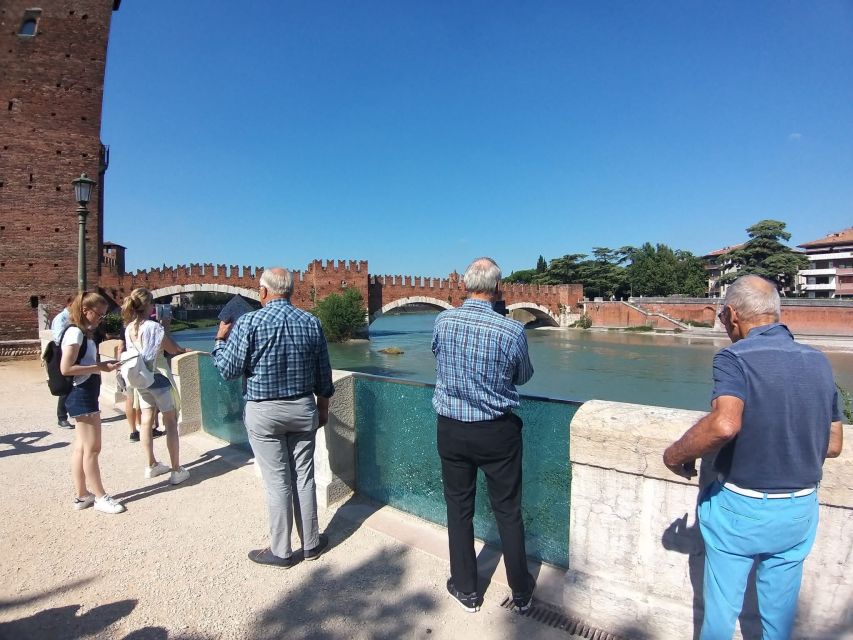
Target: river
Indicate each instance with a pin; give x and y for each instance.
(665, 370)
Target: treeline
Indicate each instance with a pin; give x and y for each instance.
(659, 270)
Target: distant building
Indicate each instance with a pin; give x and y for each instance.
(716, 266)
(112, 258)
(830, 272)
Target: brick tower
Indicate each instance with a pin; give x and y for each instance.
(52, 62)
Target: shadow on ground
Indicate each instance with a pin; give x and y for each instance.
(63, 623)
(23, 443)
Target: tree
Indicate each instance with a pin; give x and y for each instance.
(541, 265)
(764, 255)
(661, 271)
(525, 276)
(561, 270)
(342, 316)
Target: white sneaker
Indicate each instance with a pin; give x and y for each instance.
(179, 476)
(83, 503)
(108, 504)
(158, 469)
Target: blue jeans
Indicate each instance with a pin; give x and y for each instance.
(737, 530)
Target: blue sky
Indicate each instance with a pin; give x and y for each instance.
(419, 135)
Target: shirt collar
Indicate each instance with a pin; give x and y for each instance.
(480, 304)
(769, 328)
(280, 301)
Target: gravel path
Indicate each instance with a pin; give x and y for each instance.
(174, 565)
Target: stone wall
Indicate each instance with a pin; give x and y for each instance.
(51, 87)
(635, 553)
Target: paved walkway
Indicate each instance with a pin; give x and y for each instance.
(174, 565)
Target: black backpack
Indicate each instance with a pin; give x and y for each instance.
(59, 384)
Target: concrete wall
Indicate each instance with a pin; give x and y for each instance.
(635, 553)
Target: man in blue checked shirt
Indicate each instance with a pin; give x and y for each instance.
(480, 357)
(283, 354)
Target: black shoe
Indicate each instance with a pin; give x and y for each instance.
(468, 601)
(156, 434)
(64, 424)
(265, 556)
(316, 552)
(134, 437)
(522, 601)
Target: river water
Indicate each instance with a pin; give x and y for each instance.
(664, 370)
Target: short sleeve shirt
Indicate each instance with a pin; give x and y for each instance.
(790, 401)
(75, 336)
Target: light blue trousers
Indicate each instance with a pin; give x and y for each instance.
(737, 530)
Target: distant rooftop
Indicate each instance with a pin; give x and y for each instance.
(843, 237)
(719, 252)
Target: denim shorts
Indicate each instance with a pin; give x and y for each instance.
(83, 398)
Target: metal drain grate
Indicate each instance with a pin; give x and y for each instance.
(553, 617)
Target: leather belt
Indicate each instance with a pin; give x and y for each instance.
(751, 493)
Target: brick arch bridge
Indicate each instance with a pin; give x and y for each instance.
(556, 305)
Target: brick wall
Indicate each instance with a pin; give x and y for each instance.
(51, 89)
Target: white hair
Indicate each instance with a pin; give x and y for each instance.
(752, 296)
(482, 276)
(278, 281)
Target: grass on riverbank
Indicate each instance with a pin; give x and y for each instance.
(201, 323)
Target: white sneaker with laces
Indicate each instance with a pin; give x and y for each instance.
(83, 503)
(157, 469)
(108, 504)
(179, 476)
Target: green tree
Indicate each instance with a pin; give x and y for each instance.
(541, 265)
(764, 255)
(342, 316)
(563, 270)
(525, 276)
(692, 279)
(603, 276)
(653, 270)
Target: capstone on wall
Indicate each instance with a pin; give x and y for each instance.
(51, 89)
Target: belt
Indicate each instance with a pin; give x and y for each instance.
(296, 397)
(751, 493)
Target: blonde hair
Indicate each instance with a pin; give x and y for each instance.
(84, 301)
(135, 304)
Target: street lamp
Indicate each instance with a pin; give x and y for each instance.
(82, 192)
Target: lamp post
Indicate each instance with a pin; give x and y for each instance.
(82, 192)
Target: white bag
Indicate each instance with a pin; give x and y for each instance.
(135, 372)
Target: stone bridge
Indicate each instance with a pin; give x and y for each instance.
(553, 305)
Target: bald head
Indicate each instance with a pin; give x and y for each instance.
(277, 281)
(754, 298)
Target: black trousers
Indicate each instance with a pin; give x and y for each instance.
(61, 412)
(495, 447)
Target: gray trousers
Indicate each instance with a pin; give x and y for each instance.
(282, 434)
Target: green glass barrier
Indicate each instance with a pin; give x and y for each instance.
(398, 462)
(222, 405)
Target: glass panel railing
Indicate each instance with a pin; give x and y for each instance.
(398, 462)
(221, 405)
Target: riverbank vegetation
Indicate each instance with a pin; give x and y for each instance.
(343, 316)
(659, 270)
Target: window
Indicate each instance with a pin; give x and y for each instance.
(29, 24)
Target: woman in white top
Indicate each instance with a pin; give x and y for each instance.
(86, 313)
(149, 339)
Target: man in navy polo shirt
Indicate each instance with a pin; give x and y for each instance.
(774, 418)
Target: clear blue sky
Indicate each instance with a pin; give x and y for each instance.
(419, 135)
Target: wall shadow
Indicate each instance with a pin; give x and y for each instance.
(24, 443)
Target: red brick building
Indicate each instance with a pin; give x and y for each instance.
(52, 57)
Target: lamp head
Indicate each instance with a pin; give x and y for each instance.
(83, 188)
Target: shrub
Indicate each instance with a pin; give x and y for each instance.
(342, 316)
(846, 403)
(585, 322)
(112, 324)
(640, 327)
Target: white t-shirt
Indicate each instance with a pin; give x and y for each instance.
(75, 336)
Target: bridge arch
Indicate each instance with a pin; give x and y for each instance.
(541, 313)
(402, 302)
(177, 289)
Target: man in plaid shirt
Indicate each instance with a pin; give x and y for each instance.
(283, 354)
(480, 357)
